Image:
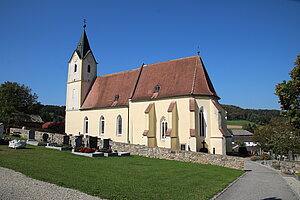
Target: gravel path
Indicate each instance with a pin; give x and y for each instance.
(258, 183)
(17, 186)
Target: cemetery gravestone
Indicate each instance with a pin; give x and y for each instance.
(66, 140)
(106, 143)
(92, 142)
(31, 135)
(78, 141)
(45, 137)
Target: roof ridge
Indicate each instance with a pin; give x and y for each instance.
(137, 80)
(117, 73)
(194, 77)
(170, 60)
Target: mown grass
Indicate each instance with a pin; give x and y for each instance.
(238, 122)
(119, 177)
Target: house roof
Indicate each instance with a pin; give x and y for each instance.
(241, 133)
(243, 138)
(83, 45)
(185, 76)
(180, 77)
(105, 88)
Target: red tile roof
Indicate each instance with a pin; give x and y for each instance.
(185, 76)
(105, 88)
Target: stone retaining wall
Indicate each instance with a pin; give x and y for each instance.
(38, 135)
(22, 132)
(185, 156)
(146, 151)
(284, 165)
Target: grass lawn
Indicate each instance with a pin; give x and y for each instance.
(119, 177)
(238, 122)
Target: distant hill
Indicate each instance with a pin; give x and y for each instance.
(258, 116)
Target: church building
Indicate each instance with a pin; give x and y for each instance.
(170, 104)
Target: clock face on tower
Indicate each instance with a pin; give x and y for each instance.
(75, 59)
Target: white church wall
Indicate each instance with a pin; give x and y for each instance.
(214, 137)
(204, 104)
(72, 74)
(75, 123)
(218, 144)
(139, 120)
(73, 97)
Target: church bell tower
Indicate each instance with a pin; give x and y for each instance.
(82, 72)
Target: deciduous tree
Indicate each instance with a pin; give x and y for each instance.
(16, 98)
(289, 95)
(279, 135)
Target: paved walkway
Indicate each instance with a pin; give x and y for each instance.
(259, 183)
(17, 186)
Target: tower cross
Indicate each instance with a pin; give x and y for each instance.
(84, 23)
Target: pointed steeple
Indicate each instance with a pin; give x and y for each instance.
(83, 45)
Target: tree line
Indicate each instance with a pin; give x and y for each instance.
(257, 116)
(16, 99)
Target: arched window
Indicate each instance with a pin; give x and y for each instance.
(89, 68)
(119, 125)
(163, 127)
(75, 68)
(202, 123)
(86, 125)
(102, 121)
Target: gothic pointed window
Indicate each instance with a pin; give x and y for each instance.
(202, 123)
(75, 68)
(163, 127)
(86, 125)
(89, 68)
(102, 124)
(119, 125)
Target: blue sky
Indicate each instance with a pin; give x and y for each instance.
(247, 46)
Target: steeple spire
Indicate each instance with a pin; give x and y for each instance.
(83, 45)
